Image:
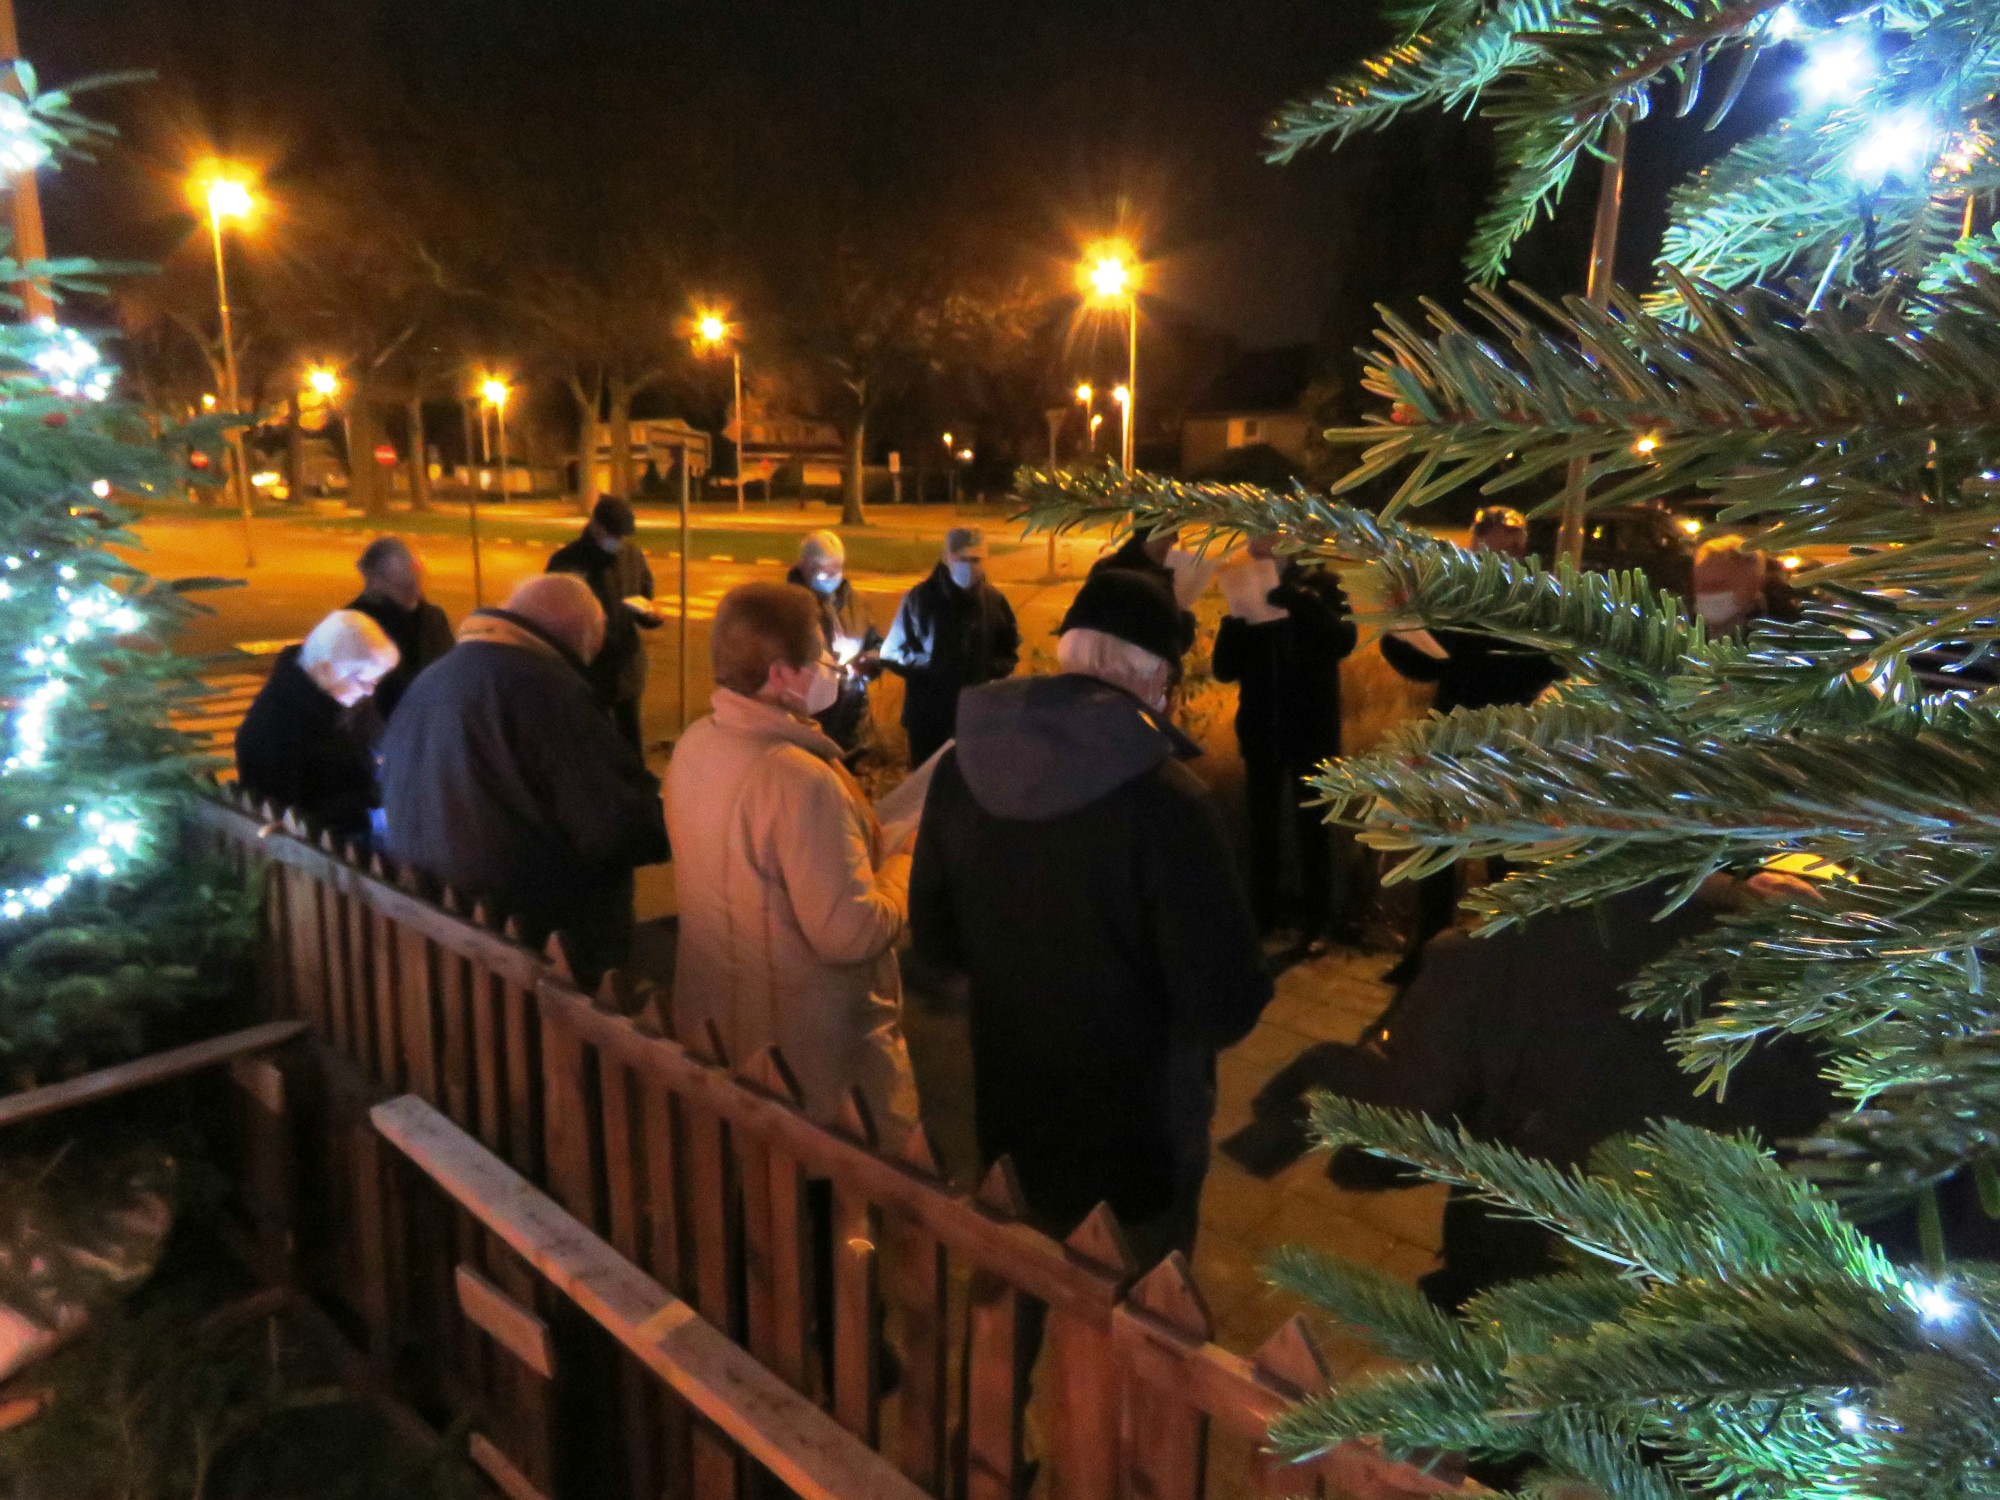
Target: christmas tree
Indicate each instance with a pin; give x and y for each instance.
(102, 928)
(1821, 352)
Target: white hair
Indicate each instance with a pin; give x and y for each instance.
(344, 645)
(1096, 653)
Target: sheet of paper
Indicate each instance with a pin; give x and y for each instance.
(1191, 575)
(1246, 586)
(902, 805)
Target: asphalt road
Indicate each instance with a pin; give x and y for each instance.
(305, 567)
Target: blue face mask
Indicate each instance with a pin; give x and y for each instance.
(824, 583)
(964, 572)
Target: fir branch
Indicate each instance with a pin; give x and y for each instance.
(1397, 1319)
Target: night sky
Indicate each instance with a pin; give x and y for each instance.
(1045, 122)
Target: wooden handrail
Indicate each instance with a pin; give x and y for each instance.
(805, 1448)
(143, 1072)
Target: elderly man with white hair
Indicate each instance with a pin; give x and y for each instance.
(503, 777)
(1076, 871)
(305, 743)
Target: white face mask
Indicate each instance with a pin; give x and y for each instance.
(822, 689)
(1718, 611)
(964, 573)
(824, 583)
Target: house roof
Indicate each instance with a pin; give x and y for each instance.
(1261, 380)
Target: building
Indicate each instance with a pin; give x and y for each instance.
(1257, 399)
(657, 444)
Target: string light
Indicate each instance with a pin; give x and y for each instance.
(1850, 1419)
(1836, 69)
(70, 362)
(1896, 146)
(22, 148)
(1786, 24)
(1933, 1303)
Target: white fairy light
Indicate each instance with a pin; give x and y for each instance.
(1837, 68)
(22, 148)
(1897, 146)
(70, 362)
(1786, 24)
(101, 488)
(1933, 1303)
(1850, 1419)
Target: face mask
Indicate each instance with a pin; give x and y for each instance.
(1717, 611)
(964, 573)
(609, 542)
(824, 583)
(822, 690)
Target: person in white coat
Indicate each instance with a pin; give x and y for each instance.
(790, 905)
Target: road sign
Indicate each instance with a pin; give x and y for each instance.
(385, 455)
(895, 462)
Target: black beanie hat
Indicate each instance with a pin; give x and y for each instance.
(614, 516)
(1132, 606)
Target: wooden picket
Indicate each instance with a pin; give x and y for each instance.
(700, 1176)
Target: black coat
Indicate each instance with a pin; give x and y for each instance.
(502, 777)
(843, 613)
(946, 639)
(618, 671)
(1077, 872)
(1521, 1038)
(1288, 671)
(422, 635)
(1479, 671)
(303, 751)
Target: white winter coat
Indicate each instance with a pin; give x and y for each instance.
(789, 912)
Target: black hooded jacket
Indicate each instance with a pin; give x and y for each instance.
(1076, 871)
(304, 752)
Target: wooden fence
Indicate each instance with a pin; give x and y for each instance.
(690, 1171)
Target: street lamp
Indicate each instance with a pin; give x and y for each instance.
(1109, 276)
(323, 383)
(713, 332)
(226, 195)
(494, 392)
(1122, 394)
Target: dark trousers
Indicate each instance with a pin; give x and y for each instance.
(1277, 795)
(625, 718)
(1437, 903)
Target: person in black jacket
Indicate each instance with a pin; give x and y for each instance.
(852, 638)
(306, 742)
(1471, 670)
(1076, 872)
(502, 778)
(392, 595)
(608, 559)
(1287, 723)
(953, 631)
(1522, 1039)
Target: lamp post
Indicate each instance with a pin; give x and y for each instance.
(1110, 275)
(1122, 394)
(494, 391)
(228, 197)
(30, 242)
(713, 331)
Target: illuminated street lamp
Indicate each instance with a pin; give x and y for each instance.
(494, 392)
(1109, 276)
(226, 195)
(713, 332)
(322, 382)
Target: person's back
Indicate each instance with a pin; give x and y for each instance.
(503, 778)
(1077, 873)
(790, 907)
(1522, 1039)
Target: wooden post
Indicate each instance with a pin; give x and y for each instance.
(1165, 1438)
(915, 1286)
(1084, 1440)
(856, 1294)
(1597, 291)
(995, 1382)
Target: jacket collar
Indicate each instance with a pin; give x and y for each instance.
(753, 716)
(502, 627)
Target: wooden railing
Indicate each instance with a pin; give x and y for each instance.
(693, 1168)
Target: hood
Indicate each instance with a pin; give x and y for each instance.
(1037, 748)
